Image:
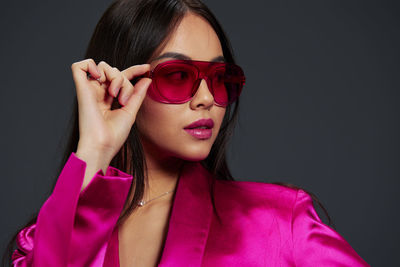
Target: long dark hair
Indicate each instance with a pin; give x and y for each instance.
(132, 32)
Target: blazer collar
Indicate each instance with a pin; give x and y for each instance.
(189, 221)
(190, 218)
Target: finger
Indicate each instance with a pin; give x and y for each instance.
(136, 98)
(125, 92)
(129, 74)
(112, 76)
(81, 68)
(136, 70)
(116, 83)
(79, 73)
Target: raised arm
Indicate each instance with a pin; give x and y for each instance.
(77, 220)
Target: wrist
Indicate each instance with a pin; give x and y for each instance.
(95, 159)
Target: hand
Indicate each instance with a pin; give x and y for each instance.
(101, 129)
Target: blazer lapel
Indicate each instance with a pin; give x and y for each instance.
(189, 223)
(190, 219)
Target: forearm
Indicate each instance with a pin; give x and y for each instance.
(79, 223)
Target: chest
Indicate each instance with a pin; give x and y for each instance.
(142, 236)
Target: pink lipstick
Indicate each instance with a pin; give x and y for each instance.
(201, 129)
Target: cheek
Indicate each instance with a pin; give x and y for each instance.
(218, 117)
(155, 120)
(220, 113)
(161, 130)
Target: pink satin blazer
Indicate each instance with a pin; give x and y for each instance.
(261, 224)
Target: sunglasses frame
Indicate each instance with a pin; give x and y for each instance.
(204, 69)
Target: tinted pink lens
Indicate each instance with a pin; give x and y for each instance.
(221, 95)
(227, 83)
(175, 81)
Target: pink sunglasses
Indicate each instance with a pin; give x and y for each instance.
(177, 81)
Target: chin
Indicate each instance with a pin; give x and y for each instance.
(194, 158)
(194, 155)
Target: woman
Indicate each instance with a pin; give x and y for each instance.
(157, 97)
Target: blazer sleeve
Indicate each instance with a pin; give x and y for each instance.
(73, 227)
(315, 243)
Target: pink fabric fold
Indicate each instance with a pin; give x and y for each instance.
(316, 244)
(259, 224)
(73, 227)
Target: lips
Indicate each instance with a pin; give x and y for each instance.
(201, 124)
(200, 129)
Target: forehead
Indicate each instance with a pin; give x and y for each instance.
(195, 38)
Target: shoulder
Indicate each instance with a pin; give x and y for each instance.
(274, 197)
(258, 189)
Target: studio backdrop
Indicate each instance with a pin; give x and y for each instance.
(319, 109)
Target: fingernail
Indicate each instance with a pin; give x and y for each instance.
(116, 92)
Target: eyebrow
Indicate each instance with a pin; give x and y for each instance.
(176, 55)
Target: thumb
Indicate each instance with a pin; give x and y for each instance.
(135, 100)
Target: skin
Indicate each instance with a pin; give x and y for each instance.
(161, 125)
(167, 145)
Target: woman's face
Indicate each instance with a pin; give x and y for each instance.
(161, 126)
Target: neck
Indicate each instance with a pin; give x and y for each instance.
(162, 175)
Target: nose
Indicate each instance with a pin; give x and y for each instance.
(203, 97)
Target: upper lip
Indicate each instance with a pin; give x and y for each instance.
(209, 123)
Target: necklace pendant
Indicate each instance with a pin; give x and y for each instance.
(141, 203)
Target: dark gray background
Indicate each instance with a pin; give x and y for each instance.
(319, 109)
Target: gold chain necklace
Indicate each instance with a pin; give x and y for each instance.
(143, 202)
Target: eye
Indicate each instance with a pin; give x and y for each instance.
(177, 76)
(220, 77)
